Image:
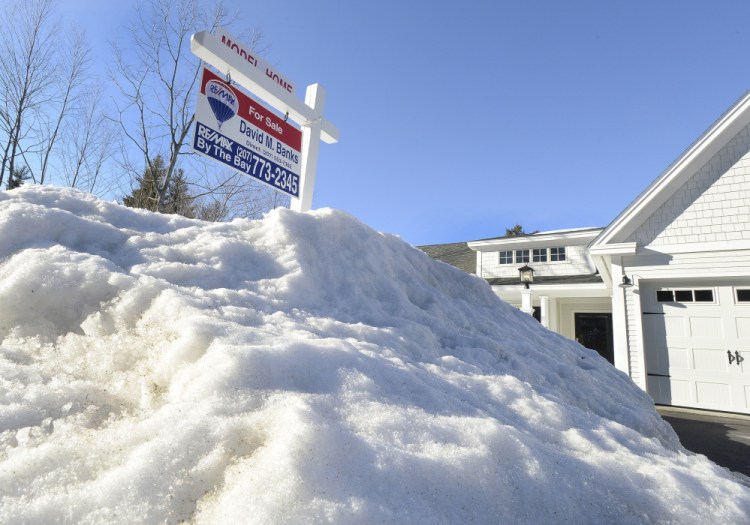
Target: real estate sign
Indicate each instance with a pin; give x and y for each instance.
(240, 132)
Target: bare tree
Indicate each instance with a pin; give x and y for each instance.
(237, 195)
(28, 49)
(43, 78)
(87, 144)
(157, 81)
(64, 99)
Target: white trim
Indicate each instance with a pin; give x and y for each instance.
(555, 291)
(623, 248)
(701, 247)
(639, 354)
(564, 237)
(620, 321)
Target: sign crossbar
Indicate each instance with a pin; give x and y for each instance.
(210, 49)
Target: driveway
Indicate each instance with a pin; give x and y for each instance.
(721, 437)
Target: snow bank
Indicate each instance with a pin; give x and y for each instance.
(303, 369)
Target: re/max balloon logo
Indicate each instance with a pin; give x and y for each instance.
(218, 90)
(222, 100)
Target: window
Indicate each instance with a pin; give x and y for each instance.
(665, 296)
(557, 254)
(539, 255)
(743, 296)
(704, 296)
(686, 296)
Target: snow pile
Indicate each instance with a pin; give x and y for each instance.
(303, 369)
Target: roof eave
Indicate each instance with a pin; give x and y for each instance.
(567, 238)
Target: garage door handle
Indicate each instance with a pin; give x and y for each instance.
(738, 357)
(731, 357)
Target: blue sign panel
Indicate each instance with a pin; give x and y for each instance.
(213, 144)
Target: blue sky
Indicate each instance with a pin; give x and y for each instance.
(458, 120)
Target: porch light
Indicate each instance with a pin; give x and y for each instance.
(626, 282)
(526, 275)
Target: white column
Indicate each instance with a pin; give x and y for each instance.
(554, 316)
(544, 307)
(526, 301)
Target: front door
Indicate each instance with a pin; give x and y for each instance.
(594, 331)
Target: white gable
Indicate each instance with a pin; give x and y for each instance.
(712, 206)
(701, 196)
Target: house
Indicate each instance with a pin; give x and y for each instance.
(663, 291)
(568, 294)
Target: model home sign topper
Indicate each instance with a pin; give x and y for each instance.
(240, 132)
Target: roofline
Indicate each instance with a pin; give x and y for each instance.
(439, 244)
(535, 238)
(564, 230)
(700, 151)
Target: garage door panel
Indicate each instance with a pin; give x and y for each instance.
(660, 361)
(656, 362)
(742, 325)
(666, 390)
(679, 392)
(654, 328)
(679, 358)
(706, 327)
(710, 360)
(674, 326)
(744, 364)
(713, 395)
(658, 387)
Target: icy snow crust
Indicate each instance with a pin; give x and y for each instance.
(303, 369)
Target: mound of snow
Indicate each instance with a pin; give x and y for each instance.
(303, 369)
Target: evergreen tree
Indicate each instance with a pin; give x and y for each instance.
(177, 200)
(518, 230)
(17, 177)
(144, 195)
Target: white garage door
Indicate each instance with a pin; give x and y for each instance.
(697, 345)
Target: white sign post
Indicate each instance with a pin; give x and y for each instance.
(244, 68)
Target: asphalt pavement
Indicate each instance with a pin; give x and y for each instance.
(723, 438)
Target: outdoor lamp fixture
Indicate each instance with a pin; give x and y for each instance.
(527, 275)
(626, 282)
